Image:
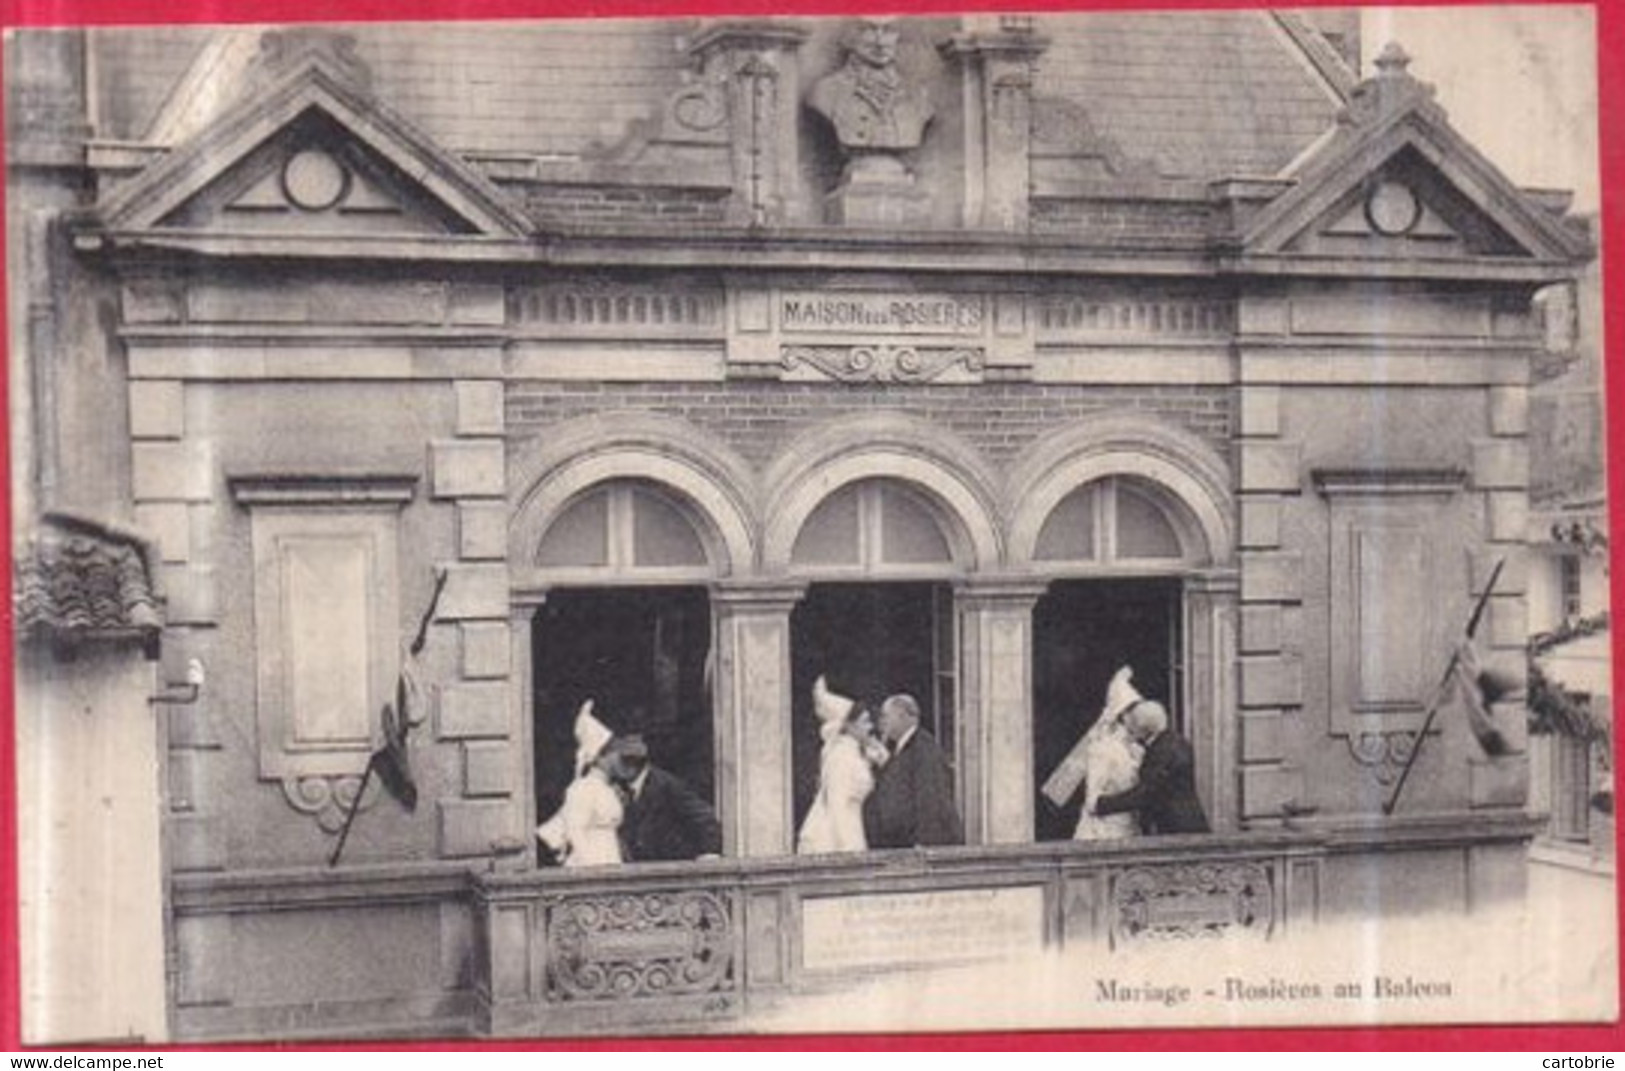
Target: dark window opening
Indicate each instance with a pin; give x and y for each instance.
(643, 655)
(1083, 630)
(870, 641)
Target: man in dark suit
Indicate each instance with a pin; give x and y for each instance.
(664, 818)
(1165, 797)
(913, 800)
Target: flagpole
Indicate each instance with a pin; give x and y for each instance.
(404, 726)
(1444, 683)
(355, 805)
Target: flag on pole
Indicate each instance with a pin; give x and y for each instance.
(1477, 690)
(1489, 738)
(392, 762)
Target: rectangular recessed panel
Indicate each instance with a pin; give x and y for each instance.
(1391, 581)
(903, 929)
(325, 592)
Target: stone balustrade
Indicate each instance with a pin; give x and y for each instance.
(700, 945)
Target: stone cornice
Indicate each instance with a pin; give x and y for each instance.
(1445, 829)
(300, 489)
(718, 248)
(955, 864)
(294, 888)
(1389, 481)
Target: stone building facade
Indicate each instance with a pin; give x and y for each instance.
(972, 357)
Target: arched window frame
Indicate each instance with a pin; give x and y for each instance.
(621, 567)
(1106, 558)
(871, 563)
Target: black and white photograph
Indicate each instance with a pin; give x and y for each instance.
(650, 527)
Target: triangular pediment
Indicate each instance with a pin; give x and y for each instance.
(1395, 180)
(1405, 207)
(312, 155)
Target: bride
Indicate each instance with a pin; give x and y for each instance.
(845, 775)
(1105, 761)
(585, 830)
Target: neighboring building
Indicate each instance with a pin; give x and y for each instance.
(1571, 749)
(973, 357)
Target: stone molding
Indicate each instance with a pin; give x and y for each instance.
(1090, 449)
(718, 485)
(886, 363)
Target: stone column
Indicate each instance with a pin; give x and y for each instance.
(996, 55)
(754, 69)
(1212, 602)
(753, 715)
(995, 753)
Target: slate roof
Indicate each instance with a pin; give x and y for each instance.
(1201, 94)
(77, 580)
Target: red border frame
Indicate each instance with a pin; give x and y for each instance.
(1611, 117)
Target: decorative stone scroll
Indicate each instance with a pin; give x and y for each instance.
(885, 363)
(328, 799)
(636, 946)
(1158, 903)
(1382, 755)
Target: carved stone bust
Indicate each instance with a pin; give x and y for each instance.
(867, 100)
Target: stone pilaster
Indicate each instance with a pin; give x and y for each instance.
(753, 715)
(477, 710)
(751, 70)
(1266, 690)
(996, 70)
(995, 752)
(1212, 602)
(1501, 475)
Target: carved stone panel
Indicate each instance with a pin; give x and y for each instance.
(1160, 903)
(640, 946)
(885, 363)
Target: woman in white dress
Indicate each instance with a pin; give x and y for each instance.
(845, 775)
(585, 831)
(1105, 761)
(1111, 764)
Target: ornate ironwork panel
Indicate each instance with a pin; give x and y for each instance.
(640, 945)
(1182, 902)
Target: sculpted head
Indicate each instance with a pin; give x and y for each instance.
(871, 42)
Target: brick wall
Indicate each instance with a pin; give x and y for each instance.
(999, 419)
(1162, 223)
(598, 204)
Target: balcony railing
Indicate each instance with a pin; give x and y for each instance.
(692, 945)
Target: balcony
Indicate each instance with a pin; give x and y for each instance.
(698, 946)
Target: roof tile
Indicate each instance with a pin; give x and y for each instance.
(76, 581)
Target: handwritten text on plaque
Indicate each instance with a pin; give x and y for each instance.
(897, 929)
(906, 314)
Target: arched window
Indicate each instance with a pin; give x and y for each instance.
(624, 529)
(1118, 520)
(870, 528)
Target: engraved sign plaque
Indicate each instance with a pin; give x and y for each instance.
(896, 929)
(902, 314)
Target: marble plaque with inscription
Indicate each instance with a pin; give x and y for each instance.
(903, 929)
